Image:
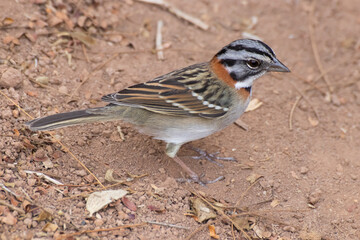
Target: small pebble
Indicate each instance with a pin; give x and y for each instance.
(81, 173)
(304, 170)
(31, 182)
(27, 222)
(34, 224)
(98, 222)
(315, 196)
(63, 90)
(6, 114)
(289, 229)
(11, 77)
(353, 177)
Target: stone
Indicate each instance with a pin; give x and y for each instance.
(11, 77)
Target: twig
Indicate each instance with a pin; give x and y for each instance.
(222, 213)
(244, 193)
(19, 210)
(306, 99)
(303, 95)
(69, 58)
(122, 137)
(232, 231)
(46, 86)
(266, 217)
(8, 190)
(39, 174)
(167, 225)
(158, 41)
(66, 236)
(240, 123)
(298, 98)
(177, 12)
(315, 48)
(85, 53)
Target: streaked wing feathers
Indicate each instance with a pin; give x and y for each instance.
(190, 91)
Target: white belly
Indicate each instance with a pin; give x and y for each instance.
(181, 130)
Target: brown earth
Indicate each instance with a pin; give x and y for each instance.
(310, 184)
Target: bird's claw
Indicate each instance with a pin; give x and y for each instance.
(211, 157)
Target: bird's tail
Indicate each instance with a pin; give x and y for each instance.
(71, 118)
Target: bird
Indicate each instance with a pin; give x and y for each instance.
(186, 104)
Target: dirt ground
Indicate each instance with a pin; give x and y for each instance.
(301, 147)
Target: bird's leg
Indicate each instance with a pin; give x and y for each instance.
(194, 177)
(171, 150)
(211, 157)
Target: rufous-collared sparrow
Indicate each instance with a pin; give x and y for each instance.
(186, 104)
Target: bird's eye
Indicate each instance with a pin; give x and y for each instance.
(253, 63)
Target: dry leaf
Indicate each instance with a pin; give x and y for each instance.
(31, 36)
(253, 177)
(48, 164)
(31, 93)
(313, 122)
(129, 204)
(44, 215)
(275, 203)
(109, 176)
(50, 227)
(253, 105)
(304, 235)
(241, 124)
(156, 209)
(42, 80)
(9, 219)
(40, 23)
(241, 223)
(158, 190)
(98, 200)
(16, 132)
(27, 144)
(212, 232)
(202, 211)
(53, 20)
(81, 21)
(13, 201)
(258, 231)
(65, 18)
(83, 37)
(7, 21)
(11, 39)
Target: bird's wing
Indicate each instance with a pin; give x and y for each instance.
(191, 91)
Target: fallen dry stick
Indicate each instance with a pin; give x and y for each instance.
(315, 49)
(68, 236)
(19, 210)
(158, 41)
(177, 12)
(298, 98)
(167, 225)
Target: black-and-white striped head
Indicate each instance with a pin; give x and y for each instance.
(247, 59)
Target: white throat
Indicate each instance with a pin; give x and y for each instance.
(248, 82)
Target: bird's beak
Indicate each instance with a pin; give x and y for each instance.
(277, 66)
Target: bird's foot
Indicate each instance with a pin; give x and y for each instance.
(193, 176)
(211, 157)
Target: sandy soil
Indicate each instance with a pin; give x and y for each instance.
(309, 185)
